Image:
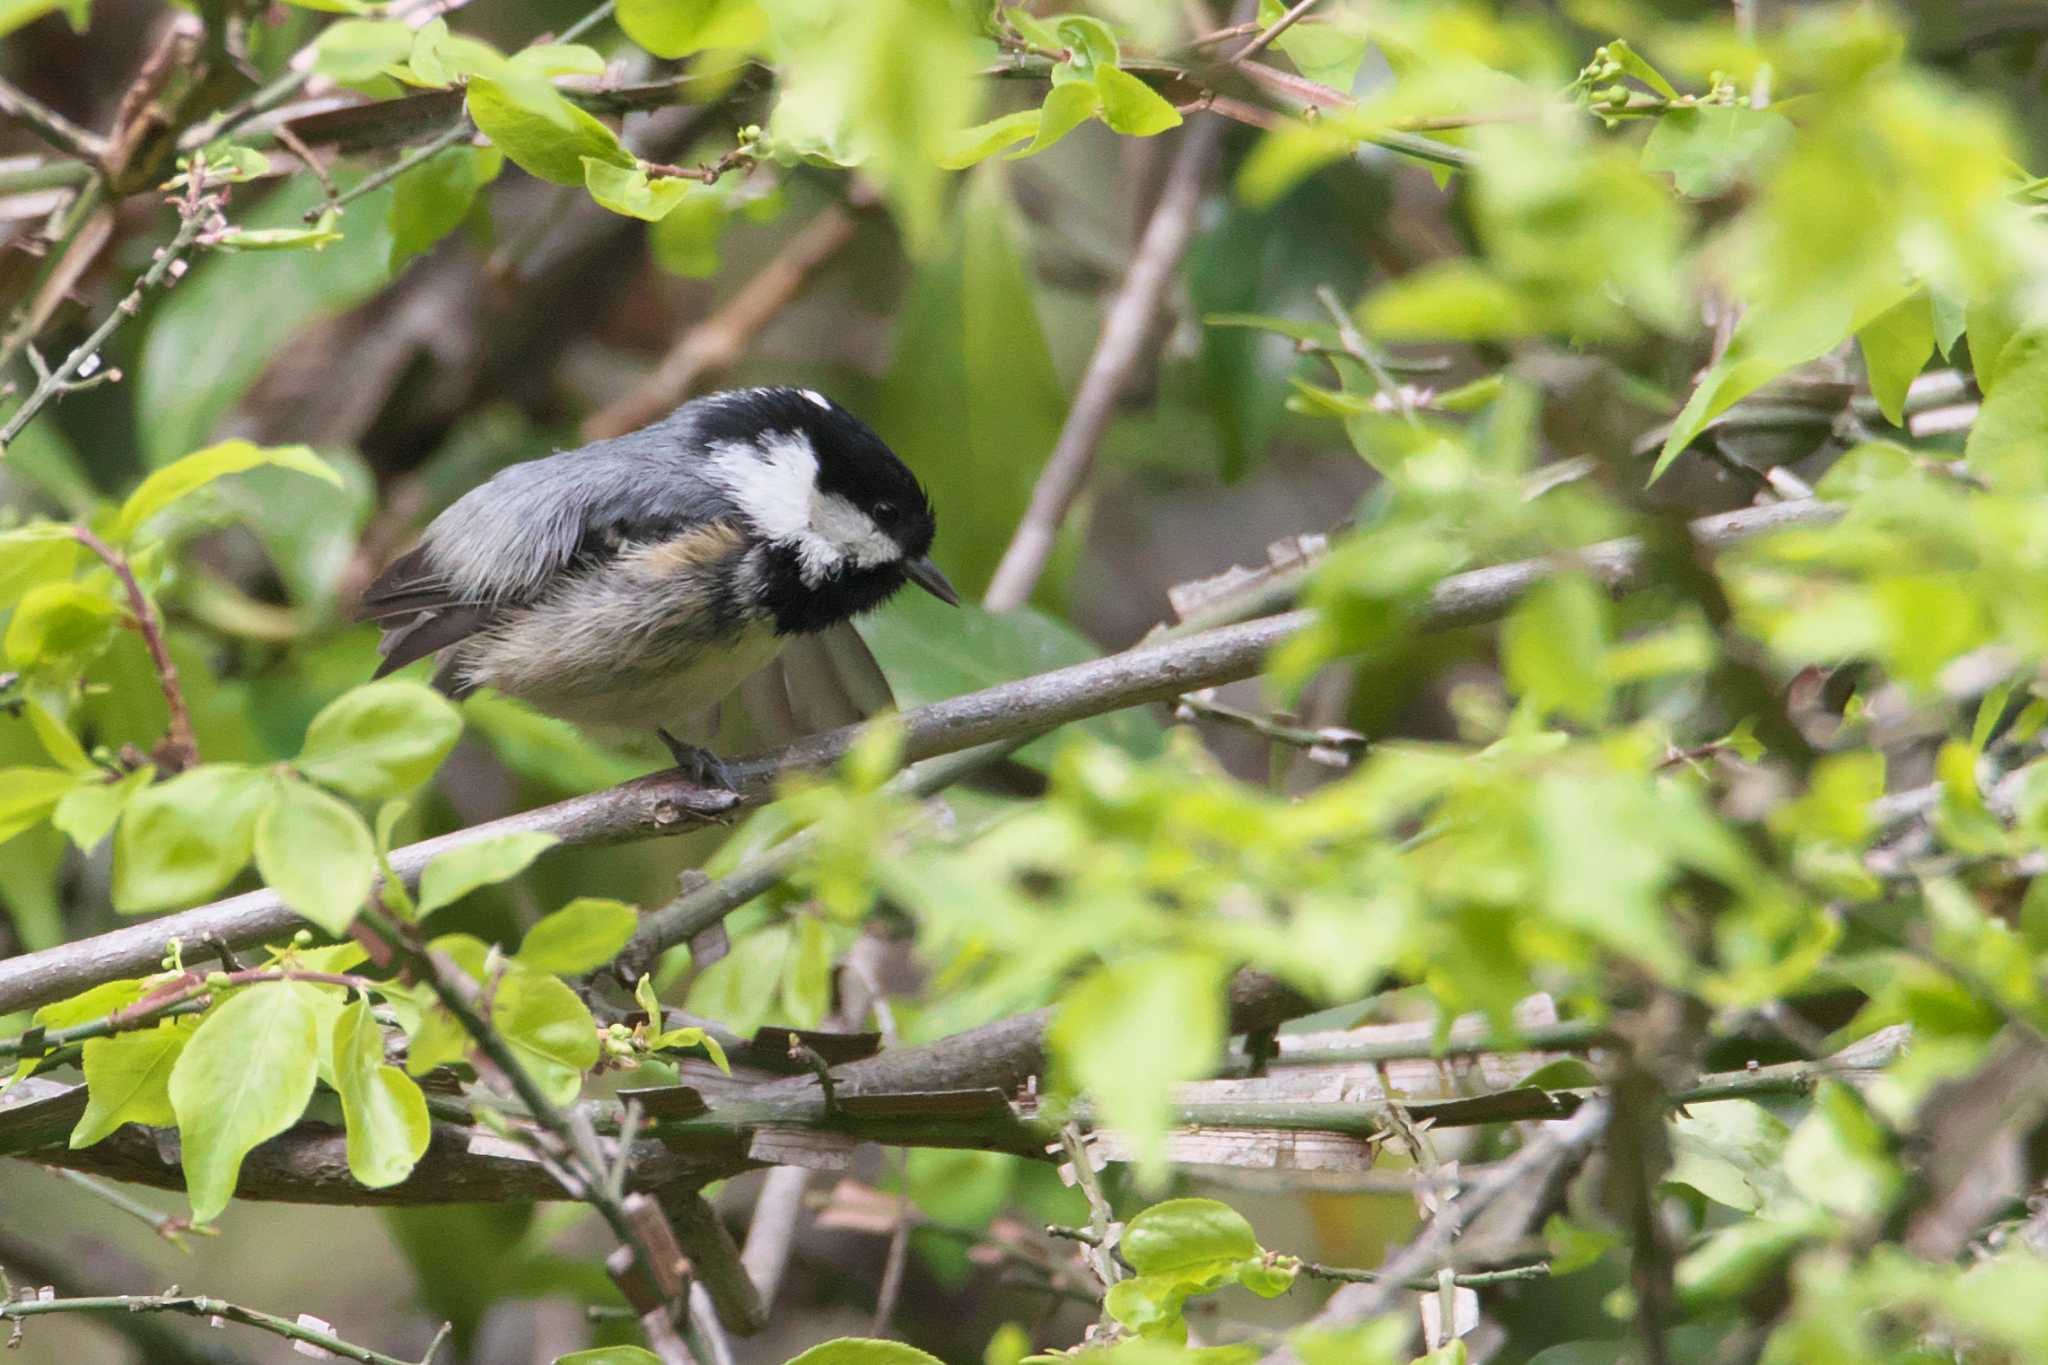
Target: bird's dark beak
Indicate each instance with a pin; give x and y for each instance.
(926, 575)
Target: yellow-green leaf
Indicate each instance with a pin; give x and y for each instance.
(1131, 106)
(543, 133)
(128, 1080)
(195, 471)
(245, 1076)
(316, 853)
(383, 1107)
(580, 937)
(380, 740)
(459, 871)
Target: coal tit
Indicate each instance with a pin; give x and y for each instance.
(634, 583)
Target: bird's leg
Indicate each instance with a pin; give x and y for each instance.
(700, 766)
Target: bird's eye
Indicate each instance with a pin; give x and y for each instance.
(885, 511)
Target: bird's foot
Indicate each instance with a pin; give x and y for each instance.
(700, 766)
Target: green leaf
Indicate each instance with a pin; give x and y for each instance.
(184, 839)
(58, 741)
(1765, 346)
(1633, 63)
(128, 1078)
(1182, 1233)
(316, 853)
(1455, 300)
(1840, 1157)
(1553, 648)
(971, 145)
(1093, 42)
(1131, 106)
(1066, 108)
(1134, 1028)
(1707, 149)
(181, 478)
(627, 190)
(2005, 444)
(677, 28)
(245, 1076)
(971, 399)
(865, 1351)
(931, 651)
(354, 51)
(29, 794)
(441, 57)
(459, 871)
(550, 1030)
(88, 811)
(317, 237)
(741, 988)
(59, 621)
(32, 555)
(545, 61)
(385, 1111)
(430, 201)
(543, 133)
(1896, 345)
(380, 740)
(580, 937)
(1737, 1258)
(1733, 1153)
(807, 974)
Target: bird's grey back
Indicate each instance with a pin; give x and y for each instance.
(506, 539)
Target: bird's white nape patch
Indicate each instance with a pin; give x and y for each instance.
(817, 398)
(775, 482)
(772, 479)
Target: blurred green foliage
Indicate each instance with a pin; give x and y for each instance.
(1802, 781)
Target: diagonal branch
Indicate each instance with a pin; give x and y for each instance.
(662, 803)
(1117, 353)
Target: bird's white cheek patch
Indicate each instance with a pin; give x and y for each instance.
(851, 532)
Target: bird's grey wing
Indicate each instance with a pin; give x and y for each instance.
(507, 542)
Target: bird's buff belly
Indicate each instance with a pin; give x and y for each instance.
(656, 685)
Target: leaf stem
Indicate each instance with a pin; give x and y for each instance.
(179, 748)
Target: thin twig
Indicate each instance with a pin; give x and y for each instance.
(1118, 351)
(587, 22)
(179, 749)
(715, 344)
(1279, 26)
(198, 1306)
(459, 131)
(1359, 349)
(51, 126)
(169, 1226)
(1556, 1145)
(1100, 1253)
(59, 380)
(297, 147)
(1476, 1279)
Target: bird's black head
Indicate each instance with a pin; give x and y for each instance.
(843, 522)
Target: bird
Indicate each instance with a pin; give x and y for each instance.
(632, 584)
